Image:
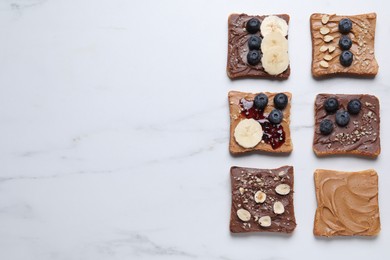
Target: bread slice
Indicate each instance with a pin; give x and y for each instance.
(360, 137)
(246, 183)
(363, 46)
(237, 66)
(347, 203)
(236, 115)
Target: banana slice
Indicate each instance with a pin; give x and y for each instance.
(248, 133)
(275, 61)
(273, 23)
(274, 39)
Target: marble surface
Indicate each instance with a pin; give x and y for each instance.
(114, 131)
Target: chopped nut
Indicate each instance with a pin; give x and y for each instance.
(328, 38)
(260, 197)
(324, 64)
(323, 48)
(282, 189)
(278, 208)
(241, 190)
(324, 30)
(325, 19)
(331, 48)
(328, 57)
(265, 221)
(244, 215)
(282, 173)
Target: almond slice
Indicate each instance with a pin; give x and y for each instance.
(324, 30)
(323, 48)
(325, 19)
(324, 64)
(328, 38)
(328, 57)
(331, 48)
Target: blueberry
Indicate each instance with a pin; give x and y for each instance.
(254, 42)
(326, 126)
(354, 106)
(342, 117)
(346, 58)
(276, 116)
(280, 100)
(331, 105)
(261, 101)
(253, 57)
(253, 25)
(345, 42)
(345, 25)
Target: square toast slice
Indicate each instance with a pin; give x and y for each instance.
(276, 137)
(361, 136)
(326, 50)
(238, 37)
(262, 200)
(347, 203)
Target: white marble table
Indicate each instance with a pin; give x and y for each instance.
(114, 131)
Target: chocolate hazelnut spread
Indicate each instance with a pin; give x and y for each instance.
(246, 183)
(360, 136)
(326, 62)
(347, 203)
(237, 65)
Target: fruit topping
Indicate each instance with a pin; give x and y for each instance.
(345, 25)
(274, 23)
(276, 116)
(346, 58)
(248, 133)
(331, 105)
(275, 60)
(254, 57)
(326, 127)
(342, 117)
(345, 42)
(254, 42)
(261, 101)
(253, 25)
(273, 134)
(354, 106)
(280, 100)
(272, 40)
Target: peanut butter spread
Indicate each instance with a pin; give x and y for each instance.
(326, 50)
(236, 116)
(347, 203)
